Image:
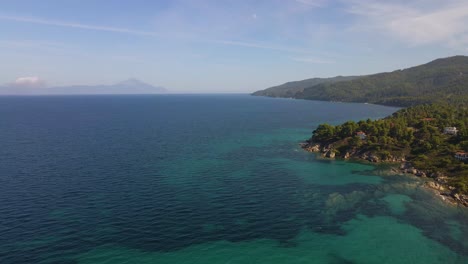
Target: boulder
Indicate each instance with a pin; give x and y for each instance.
(461, 198)
(330, 154)
(314, 148)
(435, 186)
(373, 158)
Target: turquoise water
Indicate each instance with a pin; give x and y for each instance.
(204, 179)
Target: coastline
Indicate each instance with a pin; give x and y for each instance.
(437, 182)
(330, 144)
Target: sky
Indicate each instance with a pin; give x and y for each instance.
(193, 46)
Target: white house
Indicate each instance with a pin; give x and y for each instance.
(450, 130)
(361, 135)
(461, 156)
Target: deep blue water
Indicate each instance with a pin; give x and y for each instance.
(204, 179)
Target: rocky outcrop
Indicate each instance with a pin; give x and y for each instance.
(369, 156)
(438, 182)
(312, 147)
(406, 167)
(461, 199)
(330, 154)
(328, 150)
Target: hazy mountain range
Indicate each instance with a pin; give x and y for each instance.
(130, 86)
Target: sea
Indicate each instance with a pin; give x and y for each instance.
(205, 179)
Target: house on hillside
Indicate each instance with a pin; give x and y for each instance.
(450, 130)
(461, 156)
(361, 135)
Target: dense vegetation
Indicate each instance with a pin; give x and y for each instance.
(291, 89)
(415, 133)
(442, 80)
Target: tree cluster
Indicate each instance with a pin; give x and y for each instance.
(416, 133)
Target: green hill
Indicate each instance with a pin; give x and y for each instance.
(437, 81)
(290, 89)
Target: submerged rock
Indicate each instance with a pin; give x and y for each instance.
(337, 202)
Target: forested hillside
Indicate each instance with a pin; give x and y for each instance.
(290, 89)
(442, 80)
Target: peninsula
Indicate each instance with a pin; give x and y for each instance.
(429, 138)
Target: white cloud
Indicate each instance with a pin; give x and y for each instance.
(29, 82)
(416, 23)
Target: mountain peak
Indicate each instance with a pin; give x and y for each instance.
(133, 82)
(138, 86)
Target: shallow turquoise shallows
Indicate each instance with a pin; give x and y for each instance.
(204, 179)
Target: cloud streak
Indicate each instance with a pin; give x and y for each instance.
(41, 21)
(314, 3)
(58, 23)
(312, 60)
(260, 46)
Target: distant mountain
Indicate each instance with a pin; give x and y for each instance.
(290, 89)
(440, 80)
(130, 86)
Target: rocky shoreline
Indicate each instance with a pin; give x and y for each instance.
(437, 182)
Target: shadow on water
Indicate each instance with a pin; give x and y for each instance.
(265, 204)
(336, 259)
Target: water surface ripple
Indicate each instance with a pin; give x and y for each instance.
(204, 179)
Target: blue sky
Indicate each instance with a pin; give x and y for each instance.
(221, 46)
